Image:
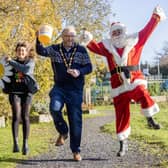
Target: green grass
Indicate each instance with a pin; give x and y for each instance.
(101, 108)
(154, 140)
(41, 137)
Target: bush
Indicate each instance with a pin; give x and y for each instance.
(5, 109)
(154, 89)
(40, 108)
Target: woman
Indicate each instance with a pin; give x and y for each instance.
(19, 96)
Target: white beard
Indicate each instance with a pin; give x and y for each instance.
(119, 41)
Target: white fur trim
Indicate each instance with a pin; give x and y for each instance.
(159, 11)
(128, 87)
(124, 135)
(149, 112)
(116, 26)
(121, 61)
(107, 44)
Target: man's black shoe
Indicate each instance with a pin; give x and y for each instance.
(152, 124)
(123, 148)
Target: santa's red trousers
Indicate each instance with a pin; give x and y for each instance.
(122, 106)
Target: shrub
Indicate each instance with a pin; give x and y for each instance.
(154, 89)
(40, 108)
(5, 109)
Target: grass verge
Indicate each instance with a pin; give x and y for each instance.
(42, 136)
(40, 139)
(156, 141)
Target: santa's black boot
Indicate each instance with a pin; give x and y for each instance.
(123, 148)
(152, 124)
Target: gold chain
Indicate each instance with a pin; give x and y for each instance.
(68, 65)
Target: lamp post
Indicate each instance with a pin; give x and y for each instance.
(158, 67)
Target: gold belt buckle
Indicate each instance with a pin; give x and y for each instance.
(118, 69)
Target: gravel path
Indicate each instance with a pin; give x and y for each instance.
(98, 150)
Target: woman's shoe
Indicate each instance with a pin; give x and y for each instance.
(25, 150)
(15, 148)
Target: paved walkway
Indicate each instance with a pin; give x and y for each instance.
(98, 150)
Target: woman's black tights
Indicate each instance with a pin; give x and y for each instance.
(20, 110)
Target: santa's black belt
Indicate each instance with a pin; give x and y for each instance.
(125, 69)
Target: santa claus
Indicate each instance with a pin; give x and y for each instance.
(123, 52)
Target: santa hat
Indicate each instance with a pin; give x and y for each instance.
(117, 25)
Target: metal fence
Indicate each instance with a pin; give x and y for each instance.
(101, 94)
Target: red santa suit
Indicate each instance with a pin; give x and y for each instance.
(125, 89)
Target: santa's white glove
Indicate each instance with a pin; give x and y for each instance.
(159, 11)
(85, 38)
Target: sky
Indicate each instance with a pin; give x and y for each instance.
(135, 14)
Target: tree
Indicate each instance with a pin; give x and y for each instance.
(163, 60)
(20, 19)
(84, 14)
